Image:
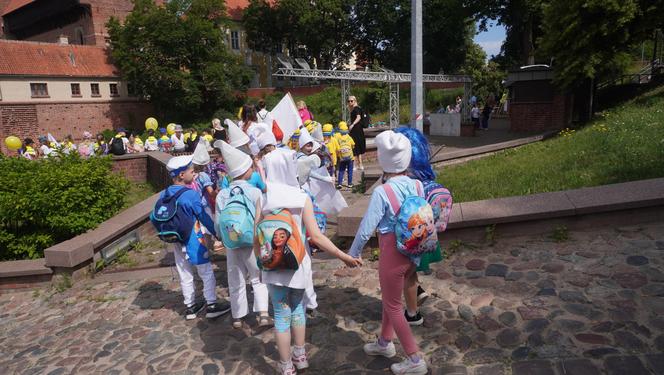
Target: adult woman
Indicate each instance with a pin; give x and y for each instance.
(355, 129)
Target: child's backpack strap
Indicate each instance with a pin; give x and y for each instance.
(392, 197)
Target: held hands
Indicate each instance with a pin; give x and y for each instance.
(352, 262)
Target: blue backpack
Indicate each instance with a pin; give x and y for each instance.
(235, 222)
(172, 224)
(414, 228)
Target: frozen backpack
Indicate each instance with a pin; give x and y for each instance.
(414, 228)
(173, 225)
(235, 222)
(280, 241)
(440, 200)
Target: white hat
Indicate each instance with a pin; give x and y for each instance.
(236, 137)
(201, 155)
(318, 132)
(316, 146)
(237, 162)
(178, 127)
(394, 151)
(281, 167)
(178, 164)
(305, 137)
(266, 138)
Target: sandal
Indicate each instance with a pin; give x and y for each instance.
(237, 323)
(265, 321)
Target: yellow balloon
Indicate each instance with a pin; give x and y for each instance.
(151, 123)
(13, 143)
(170, 129)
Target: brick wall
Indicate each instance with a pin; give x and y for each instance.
(70, 30)
(61, 119)
(540, 116)
(133, 167)
(103, 10)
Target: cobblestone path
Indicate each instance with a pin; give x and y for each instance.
(591, 304)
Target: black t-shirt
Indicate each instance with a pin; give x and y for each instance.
(219, 135)
(357, 111)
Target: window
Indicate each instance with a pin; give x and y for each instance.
(39, 90)
(114, 89)
(76, 90)
(94, 88)
(235, 39)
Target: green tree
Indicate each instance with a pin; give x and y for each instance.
(175, 55)
(319, 30)
(592, 38)
(487, 77)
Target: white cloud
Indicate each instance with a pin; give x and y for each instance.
(491, 47)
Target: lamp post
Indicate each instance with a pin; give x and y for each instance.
(416, 85)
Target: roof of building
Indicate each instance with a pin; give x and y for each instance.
(49, 59)
(235, 8)
(15, 4)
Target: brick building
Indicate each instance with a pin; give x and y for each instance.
(55, 73)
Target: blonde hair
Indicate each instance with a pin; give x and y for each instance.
(353, 98)
(301, 104)
(216, 122)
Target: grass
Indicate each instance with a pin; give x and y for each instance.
(624, 143)
(138, 192)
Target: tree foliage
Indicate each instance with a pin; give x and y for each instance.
(593, 38)
(175, 55)
(487, 77)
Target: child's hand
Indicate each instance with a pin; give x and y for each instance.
(352, 262)
(217, 246)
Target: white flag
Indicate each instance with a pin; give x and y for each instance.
(287, 117)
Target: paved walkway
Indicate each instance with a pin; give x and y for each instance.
(592, 304)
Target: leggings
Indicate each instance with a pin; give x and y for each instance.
(343, 165)
(392, 270)
(288, 307)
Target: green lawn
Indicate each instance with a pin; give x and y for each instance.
(138, 193)
(625, 143)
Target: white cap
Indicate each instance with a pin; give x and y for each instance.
(178, 164)
(305, 137)
(266, 138)
(201, 155)
(318, 132)
(394, 151)
(236, 137)
(316, 146)
(237, 162)
(178, 128)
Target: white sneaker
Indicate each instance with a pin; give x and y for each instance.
(409, 367)
(373, 348)
(286, 368)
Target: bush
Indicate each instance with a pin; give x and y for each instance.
(48, 201)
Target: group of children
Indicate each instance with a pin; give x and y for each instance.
(263, 212)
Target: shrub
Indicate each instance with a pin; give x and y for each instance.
(48, 201)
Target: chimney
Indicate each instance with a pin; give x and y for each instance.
(63, 39)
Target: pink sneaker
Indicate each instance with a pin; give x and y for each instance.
(286, 368)
(300, 361)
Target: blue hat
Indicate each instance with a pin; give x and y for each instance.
(162, 130)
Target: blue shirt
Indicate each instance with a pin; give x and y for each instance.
(380, 216)
(190, 202)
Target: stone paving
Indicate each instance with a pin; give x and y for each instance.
(592, 304)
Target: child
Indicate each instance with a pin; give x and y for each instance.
(332, 147)
(192, 140)
(475, 115)
(100, 147)
(68, 145)
(29, 151)
(119, 143)
(193, 253)
(240, 260)
(345, 155)
(308, 162)
(137, 143)
(164, 142)
(177, 140)
(151, 142)
(286, 287)
(419, 169)
(203, 182)
(86, 148)
(294, 142)
(394, 155)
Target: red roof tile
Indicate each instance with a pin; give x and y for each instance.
(15, 4)
(235, 8)
(48, 59)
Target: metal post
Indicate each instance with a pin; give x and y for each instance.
(465, 105)
(416, 89)
(345, 93)
(394, 105)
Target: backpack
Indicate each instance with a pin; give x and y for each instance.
(235, 222)
(171, 223)
(365, 119)
(345, 149)
(280, 241)
(117, 146)
(414, 228)
(319, 214)
(440, 200)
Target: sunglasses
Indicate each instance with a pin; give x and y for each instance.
(350, 101)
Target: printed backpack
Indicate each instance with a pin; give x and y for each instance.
(414, 228)
(440, 200)
(319, 214)
(172, 224)
(281, 244)
(345, 148)
(235, 222)
(117, 146)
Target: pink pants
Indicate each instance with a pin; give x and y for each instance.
(392, 270)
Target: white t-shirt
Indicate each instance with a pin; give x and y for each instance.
(178, 143)
(475, 112)
(284, 196)
(254, 130)
(45, 150)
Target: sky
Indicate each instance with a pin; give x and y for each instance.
(492, 39)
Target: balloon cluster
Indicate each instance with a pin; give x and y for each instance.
(13, 143)
(152, 124)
